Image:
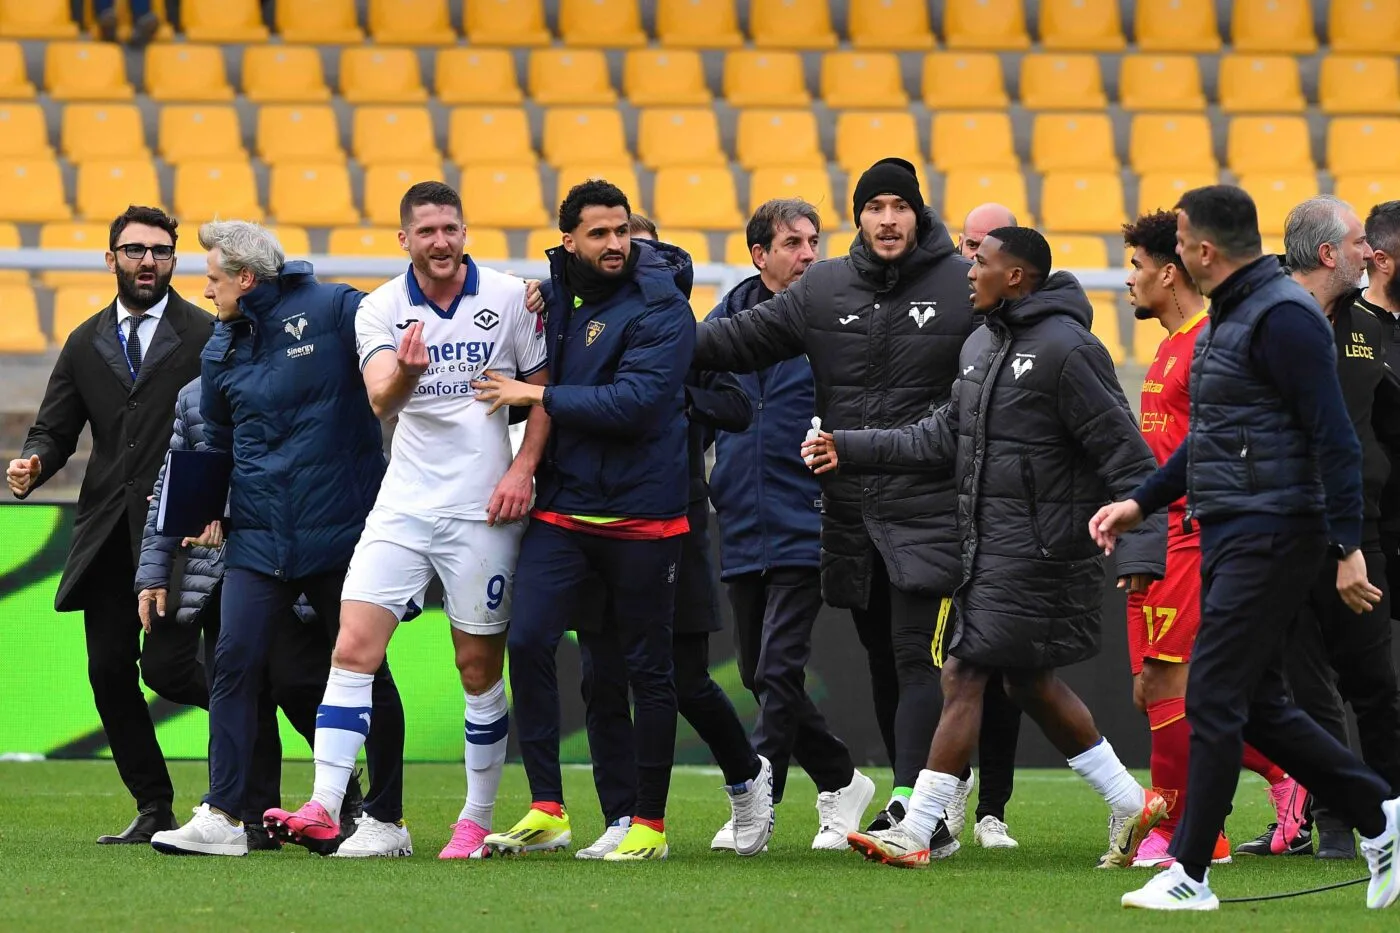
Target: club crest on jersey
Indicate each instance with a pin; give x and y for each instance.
(294, 326)
(922, 312)
(594, 329)
(1021, 365)
(1167, 370)
(486, 318)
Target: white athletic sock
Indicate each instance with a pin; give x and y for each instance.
(1106, 774)
(488, 724)
(342, 722)
(933, 792)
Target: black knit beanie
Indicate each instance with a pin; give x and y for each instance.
(888, 176)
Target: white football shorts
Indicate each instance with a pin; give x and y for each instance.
(398, 554)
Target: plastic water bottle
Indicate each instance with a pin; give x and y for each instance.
(812, 435)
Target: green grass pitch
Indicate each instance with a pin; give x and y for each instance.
(54, 878)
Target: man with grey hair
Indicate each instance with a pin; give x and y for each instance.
(1332, 650)
(282, 392)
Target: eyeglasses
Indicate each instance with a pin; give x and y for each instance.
(138, 251)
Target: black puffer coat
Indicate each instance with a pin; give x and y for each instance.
(883, 341)
(1042, 437)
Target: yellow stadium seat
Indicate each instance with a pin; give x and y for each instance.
(964, 189)
(411, 22)
(812, 185)
(87, 237)
(1081, 25)
(371, 75)
(311, 194)
(191, 288)
(223, 20)
(694, 242)
(298, 134)
(1160, 82)
(863, 137)
(736, 249)
(1273, 26)
(698, 24)
(703, 299)
(1363, 26)
(487, 243)
(284, 74)
(186, 72)
(323, 22)
(37, 19)
(620, 174)
(1061, 82)
(698, 197)
(889, 24)
(1260, 84)
(86, 71)
(963, 81)
(487, 135)
(385, 184)
(1104, 324)
(502, 196)
(1161, 190)
(791, 24)
(578, 134)
(393, 134)
(1275, 194)
(1364, 192)
(14, 74)
(1082, 202)
(102, 131)
(538, 241)
(862, 79)
(476, 76)
(24, 132)
(1077, 251)
(506, 23)
(74, 304)
(601, 23)
(570, 76)
(1177, 26)
(207, 190)
(1147, 338)
(665, 77)
(1171, 142)
(984, 24)
(1359, 85)
(778, 137)
(31, 191)
(365, 241)
(1073, 142)
(679, 137)
(20, 332)
(1358, 145)
(106, 188)
(1269, 144)
(973, 140)
(765, 79)
(195, 132)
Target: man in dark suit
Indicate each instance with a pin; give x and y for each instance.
(120, 372)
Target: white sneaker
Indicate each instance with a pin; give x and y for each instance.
(208, 833)
(724, 839)
(1380, 858)
(610, 840)
(752, 811)
(1115, 827)
(840, 812)
(373, 839)
(990, 833)
(1173, 889)
(956, 817)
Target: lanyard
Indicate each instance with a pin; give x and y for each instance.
(121, 338)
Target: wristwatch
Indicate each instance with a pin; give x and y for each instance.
(1342, 551)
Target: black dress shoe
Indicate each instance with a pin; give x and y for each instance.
(1337, 844)
(148, 822)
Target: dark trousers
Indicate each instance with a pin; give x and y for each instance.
(698, 698)
(1336, 656)
(557, 570)
(1251, 587)
(118, 659)
(774, 616)
(252, 605)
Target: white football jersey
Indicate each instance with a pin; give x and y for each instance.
(447, 454)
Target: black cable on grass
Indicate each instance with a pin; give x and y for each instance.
(1279, 897)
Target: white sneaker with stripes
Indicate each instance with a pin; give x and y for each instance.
(1173, 889)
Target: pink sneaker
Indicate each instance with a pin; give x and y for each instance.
(1153, 851)
(467, 841)
(311, 826)
(1290, 803)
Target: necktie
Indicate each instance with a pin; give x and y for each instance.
(133, 344)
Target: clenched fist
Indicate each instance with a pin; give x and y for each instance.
(22, 475)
